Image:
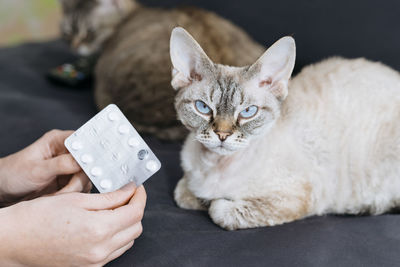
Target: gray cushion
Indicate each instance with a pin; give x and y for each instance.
(30, 106)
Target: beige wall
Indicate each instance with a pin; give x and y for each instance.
(28, 20)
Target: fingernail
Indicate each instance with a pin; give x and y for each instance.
(128, 187)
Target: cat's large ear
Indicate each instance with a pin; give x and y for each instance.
(188, 59)
(274, 68)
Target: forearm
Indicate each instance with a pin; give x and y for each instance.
(6, 198)
(2, 182)
(8, 237)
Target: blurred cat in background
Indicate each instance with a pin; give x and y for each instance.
(264, 150)
(134, 67)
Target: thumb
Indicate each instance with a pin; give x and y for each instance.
(110, 200)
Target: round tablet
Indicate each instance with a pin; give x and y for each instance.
(133, 141)
(112, 116)
(142, 154)
(76, 145)
(123, 129)
(151, 165)
(86, 158)
(96, 171)
(105, 184)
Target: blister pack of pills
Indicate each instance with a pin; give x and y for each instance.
(111, 152)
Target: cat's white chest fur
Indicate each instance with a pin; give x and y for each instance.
(210, 176)
(336, 148)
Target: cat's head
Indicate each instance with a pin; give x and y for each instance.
(225, 107)
(87, 24)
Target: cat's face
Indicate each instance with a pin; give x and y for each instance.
(87, 24)
(228, 106)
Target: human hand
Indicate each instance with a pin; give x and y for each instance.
(44, 167)
(71, 229)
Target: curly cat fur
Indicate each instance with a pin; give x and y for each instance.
(334, 147)
(134, 68)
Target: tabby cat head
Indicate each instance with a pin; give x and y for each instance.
(227, 106)
(86, 24)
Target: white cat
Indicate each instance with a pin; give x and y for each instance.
(264, 150)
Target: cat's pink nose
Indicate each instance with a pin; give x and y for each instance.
(223, 135)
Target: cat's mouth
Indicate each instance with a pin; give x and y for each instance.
(222, 149)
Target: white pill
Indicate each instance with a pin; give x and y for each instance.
(96, 171)
(76, 145)
(151, 165)
(123, 129)
(105, 184)
(112, 116)
(133, 141)
(86, 158)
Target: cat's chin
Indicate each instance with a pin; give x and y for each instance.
(223, 151)
(220, 150)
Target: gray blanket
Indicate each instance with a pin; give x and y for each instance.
(30, 106)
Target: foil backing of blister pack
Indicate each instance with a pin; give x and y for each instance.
(111, 152)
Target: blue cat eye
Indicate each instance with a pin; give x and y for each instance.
(248, 112)
(202, 107)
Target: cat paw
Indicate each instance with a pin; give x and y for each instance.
(185, 199)
(223, 213)
(235, 214)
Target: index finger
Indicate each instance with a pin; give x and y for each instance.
(129, 214)
(54, 140)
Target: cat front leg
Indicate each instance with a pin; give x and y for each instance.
(258, 212)
(185, 199)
